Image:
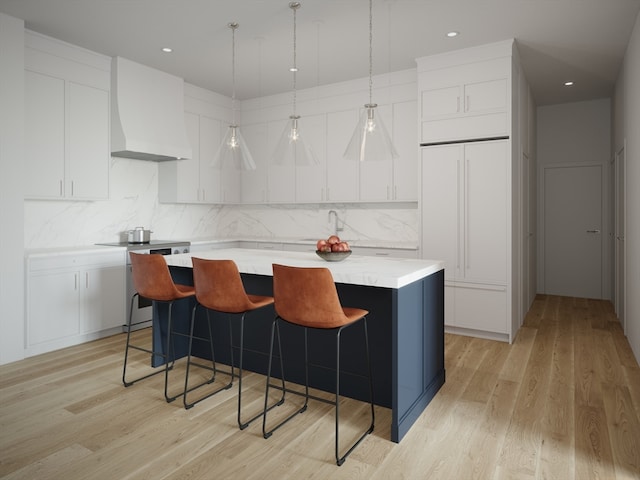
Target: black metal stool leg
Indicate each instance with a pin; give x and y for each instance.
(266, 434)
(136, 347)
(213, 367)
(340, 459)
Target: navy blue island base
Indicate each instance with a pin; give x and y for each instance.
(406, 335)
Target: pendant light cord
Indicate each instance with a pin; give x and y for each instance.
(233, 27)
(370, 52)
(294, 6)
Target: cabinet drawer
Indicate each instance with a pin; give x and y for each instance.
(481, 308)
(74, 260)
(489, 125)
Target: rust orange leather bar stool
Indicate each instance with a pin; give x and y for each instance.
(219, 288)
(308, 298)
(152, 280)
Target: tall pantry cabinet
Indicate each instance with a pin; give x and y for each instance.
(469, 139)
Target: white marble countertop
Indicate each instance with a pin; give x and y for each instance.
(369, 243)
(383, 272)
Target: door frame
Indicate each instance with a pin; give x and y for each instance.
(619, 254)
(606, 223)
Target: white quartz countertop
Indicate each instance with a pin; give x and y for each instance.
(383, 272)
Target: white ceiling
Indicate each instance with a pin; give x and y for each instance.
(559, 40)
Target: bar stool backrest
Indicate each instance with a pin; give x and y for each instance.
(219, 286)
(307, 296)
(151, 277)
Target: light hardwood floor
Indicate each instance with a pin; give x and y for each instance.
(562, 402)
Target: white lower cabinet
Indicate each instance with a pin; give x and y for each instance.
(72, 298)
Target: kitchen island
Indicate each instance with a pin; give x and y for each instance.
(405, 298)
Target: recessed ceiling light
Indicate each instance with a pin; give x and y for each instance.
(167, 49)
(568, 84)
(452, 34)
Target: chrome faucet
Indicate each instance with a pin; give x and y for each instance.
(336, 228)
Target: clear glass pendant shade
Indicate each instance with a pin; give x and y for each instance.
(370, 140)
(291, 148)
(233, 152)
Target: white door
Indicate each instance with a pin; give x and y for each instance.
(573, 231)
(619, 288)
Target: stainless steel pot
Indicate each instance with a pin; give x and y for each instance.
(139, 235)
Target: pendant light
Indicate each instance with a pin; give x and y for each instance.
(291, 148)
(370, 140)
(233, 151)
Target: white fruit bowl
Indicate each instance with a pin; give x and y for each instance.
(333, 256)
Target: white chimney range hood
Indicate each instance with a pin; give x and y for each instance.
(147, 113)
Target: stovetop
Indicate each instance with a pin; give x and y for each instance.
(150, 244)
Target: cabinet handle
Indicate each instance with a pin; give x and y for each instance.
(388, 192)
(86, 280)
(72, 188)
(395, 192)
(60, 187)
(467, 261)
(458, 104)
(75, 281)
(593, 231)
(467, 103)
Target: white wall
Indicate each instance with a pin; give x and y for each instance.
(574, 133)
(630, 79)
(11, 189)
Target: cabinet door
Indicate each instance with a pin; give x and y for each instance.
(188, 171)
(485, 223)
(442, 101)
(281, 186)
(376, 177)
(88, 125)
(103, 298)
(254, 182)
(44, 136)
(487, 96)
(342, 174)
(311, 180)
(208, 176)
(53, 306)
(405, 138)
(441, 209)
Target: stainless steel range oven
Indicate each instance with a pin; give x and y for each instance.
(142, 307)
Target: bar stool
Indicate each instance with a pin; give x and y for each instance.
(219, 288)
(152, 280)
(307, 297)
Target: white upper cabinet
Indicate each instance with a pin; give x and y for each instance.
(342, 174)
(376, 176)
(311, 180)
(66, 121)
(462, 98)
(395, 179)
(405, 137)
(280, 176)
(66, 139)
(254, 182)
(198, 180)
(44, 135)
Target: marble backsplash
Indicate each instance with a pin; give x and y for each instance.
(134, 202)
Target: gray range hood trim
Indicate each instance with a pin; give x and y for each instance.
(147, 113)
